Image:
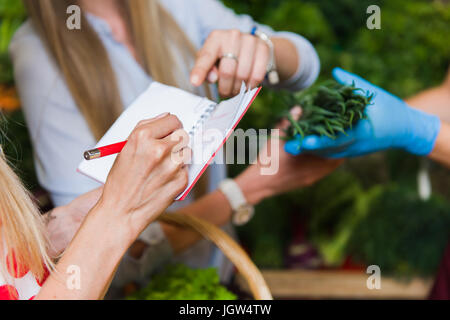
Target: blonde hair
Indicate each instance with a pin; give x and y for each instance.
(21, 225)
(84, 62)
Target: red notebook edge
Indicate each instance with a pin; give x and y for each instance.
(186, 192)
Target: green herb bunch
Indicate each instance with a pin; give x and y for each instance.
(328, 109)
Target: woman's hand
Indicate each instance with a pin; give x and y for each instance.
(292, 172)
(64, 222)
(249, 65)
(148, 174)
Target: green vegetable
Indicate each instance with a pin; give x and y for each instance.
(333, 206)
(402, 234)
(266, 237)
(268, 252)
(328, 110)
(178, 282)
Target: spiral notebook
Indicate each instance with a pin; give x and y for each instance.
(209, 125)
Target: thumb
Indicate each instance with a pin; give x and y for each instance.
(296, 113)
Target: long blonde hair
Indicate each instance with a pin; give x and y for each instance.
(22, 228)
(84, 61)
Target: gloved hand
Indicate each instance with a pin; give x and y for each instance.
(390, 123)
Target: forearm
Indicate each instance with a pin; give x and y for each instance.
(105, 246)
(441, 150)
(286, 58)
(213, 208)
(435, 101)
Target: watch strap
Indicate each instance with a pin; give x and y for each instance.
(233, 193)
(242, 211)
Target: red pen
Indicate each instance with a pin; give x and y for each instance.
(104, 151)
(113, 148)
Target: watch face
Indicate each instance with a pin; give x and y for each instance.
(243, 215)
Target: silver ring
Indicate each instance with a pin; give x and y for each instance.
(230, 55)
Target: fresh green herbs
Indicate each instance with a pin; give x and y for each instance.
(179, 282)
(328, 110)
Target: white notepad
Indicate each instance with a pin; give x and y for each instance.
(209, 125)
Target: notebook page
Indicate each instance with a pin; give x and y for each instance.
(157, 99)
(189, 109)
(215, 131)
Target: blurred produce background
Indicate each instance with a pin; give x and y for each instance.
(367, 212)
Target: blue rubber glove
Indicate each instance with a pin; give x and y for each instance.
(390, 123)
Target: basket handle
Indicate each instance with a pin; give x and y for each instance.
(229, 247)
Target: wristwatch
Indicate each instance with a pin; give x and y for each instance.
(242, 210)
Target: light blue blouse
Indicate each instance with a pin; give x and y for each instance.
(59, 132)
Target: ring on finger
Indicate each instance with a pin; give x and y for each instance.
(230, 55)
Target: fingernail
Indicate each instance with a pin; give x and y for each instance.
(195, 80)
(213, 77)
(162, 115)
(296, 112)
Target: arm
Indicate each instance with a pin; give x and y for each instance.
(301, 172)
(255, 188)
(441, 151)
(435, 101)
(110, 245)
(142, 183)
(292, 173)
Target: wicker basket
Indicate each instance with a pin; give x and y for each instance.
(229, 247)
